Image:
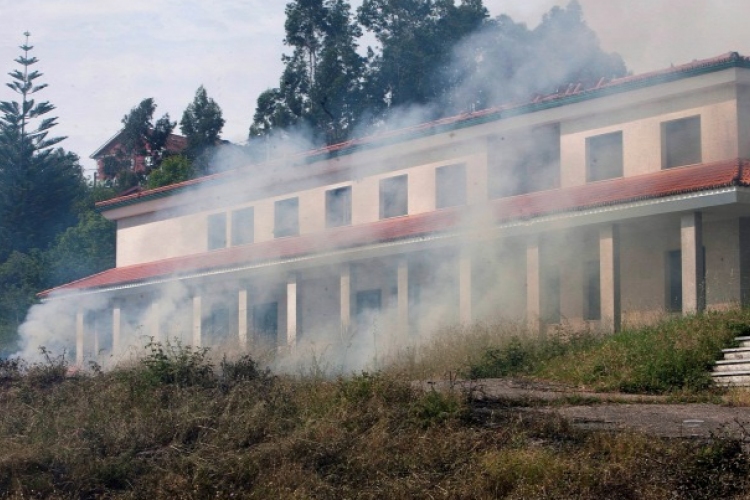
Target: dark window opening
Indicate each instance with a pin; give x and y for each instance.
(593, 291)
(450, 186)
(286, 218)
(367, 306)
(551, 296)
(217, 326)
(339, 207)
(217, 231)
(524, 163)
(681, 142)
(393, 197)
(243, 226)
(266, 322)
(604, 157)
(674, 281)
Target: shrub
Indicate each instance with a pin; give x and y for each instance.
(174, 363)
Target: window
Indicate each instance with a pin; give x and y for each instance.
(243, 226)
(266, 322)
(524, 162)
(368, 304)
(674, 281)
(339, 207)
(286, 217)
(393, 197)
(217, 231)
(604, 157)
(593, 298)
(450, 186)
(681, 142)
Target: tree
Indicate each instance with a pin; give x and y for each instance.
(174, 169)
(416, 40)
(140, 137)
(39, 185)
(201, 124)
(320, 87)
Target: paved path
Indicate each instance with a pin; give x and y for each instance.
(609, 411)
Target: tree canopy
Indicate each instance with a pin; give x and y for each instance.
(442, 56)
(201, 124)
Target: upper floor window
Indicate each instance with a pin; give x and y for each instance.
(243, 226)
(681, 142)
(286, 217)
(450, 186)
(604, 157)
(524, 162)
(339, 207)
(394, 199)
(217, 231)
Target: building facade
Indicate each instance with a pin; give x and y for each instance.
(588, 208)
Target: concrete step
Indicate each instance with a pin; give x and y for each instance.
(736, 353)
(732, 379)
(742, 341)
(732, 365)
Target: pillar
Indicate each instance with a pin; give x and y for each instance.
(291, 310)
(79, 338)
(155, 321)
(116, 329)
(533, 290)
(242, 318)
(464, 288)
(693, 272)
(609, 277)
(402, 291)
(346, 297)
(197, 320)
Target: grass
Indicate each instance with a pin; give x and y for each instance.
(673, 356)
(176, 424)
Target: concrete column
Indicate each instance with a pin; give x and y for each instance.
(403, 296)
(291, 310)
(116, 329)
(533, 286)
(346, 297)
(197, 321)
(242, 318)
(464, 288)
(693, 273)
(79, 338)
(609, 277)
(155, 321)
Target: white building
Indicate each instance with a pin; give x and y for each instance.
(591, 206)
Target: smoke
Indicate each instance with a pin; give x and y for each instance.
(234, 310)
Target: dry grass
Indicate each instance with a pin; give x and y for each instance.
(175, 426)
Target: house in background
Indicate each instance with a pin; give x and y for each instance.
(113, 148)
(592, 207)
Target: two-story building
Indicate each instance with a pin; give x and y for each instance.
(590, 207)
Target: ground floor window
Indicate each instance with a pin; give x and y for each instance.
(266, 322)
(592, 284)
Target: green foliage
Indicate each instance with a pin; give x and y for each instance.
(84, 249)
(39, 185)
(174, 169)
(676, 354)
(176, 364)
(201, 124)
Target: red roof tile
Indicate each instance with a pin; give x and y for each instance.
(603, 193)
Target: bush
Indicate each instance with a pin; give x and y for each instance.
(174, 363)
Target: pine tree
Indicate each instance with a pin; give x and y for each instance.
(39, 185)
(201, 124)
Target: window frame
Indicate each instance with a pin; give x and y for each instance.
(598, 144)
(447, 195)
(237, 217)
(391, 204)
(216, 231)
(339, 216)
(283, 225)
(671, 139)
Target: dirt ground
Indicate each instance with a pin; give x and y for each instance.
(608, 411)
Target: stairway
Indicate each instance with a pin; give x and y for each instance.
(734, 369)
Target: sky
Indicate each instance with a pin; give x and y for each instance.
(102, 57)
